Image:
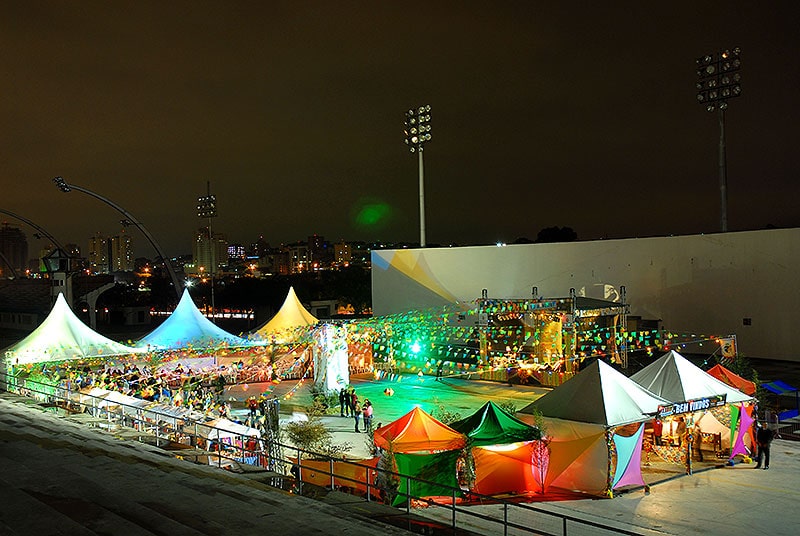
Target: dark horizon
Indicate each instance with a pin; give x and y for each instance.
(542, 116)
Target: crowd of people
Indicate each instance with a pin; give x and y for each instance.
(350, 406)
(177, 384)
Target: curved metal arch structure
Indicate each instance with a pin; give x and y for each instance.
(39, 229)
(64, 187)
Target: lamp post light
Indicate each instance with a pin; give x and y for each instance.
(719, 79)
(207, 208)
(64, 187)
(418, 132)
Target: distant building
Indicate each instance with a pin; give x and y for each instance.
(110, 254)
(342, 254)
(236, 251)
(299, 257)
(14, 250)
(209, 254)
(97, 254)
(120, 253)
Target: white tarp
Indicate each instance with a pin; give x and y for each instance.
(61, 337)
(223, 428)
(675, 378)
(600, 395)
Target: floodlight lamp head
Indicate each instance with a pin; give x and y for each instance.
(62, 184)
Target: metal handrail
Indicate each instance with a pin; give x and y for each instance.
(162, 431)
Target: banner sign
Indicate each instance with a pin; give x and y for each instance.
(690, 406)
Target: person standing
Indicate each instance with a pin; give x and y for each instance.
(252, 405)
(344, 407)
(764, 436)
(680, 432)
(357, 414)
(367, 411)
(658, 429)
(353, 399)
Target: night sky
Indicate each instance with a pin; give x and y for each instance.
(576, 114)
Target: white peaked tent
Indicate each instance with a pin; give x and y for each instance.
(673, 377)
(62, 336)
(292, 314)
(578, 416)
(187, 326)
(599, 395)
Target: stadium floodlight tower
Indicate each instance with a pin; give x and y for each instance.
(418, 133)
(719, 80)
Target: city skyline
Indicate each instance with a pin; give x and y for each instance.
(542, 116)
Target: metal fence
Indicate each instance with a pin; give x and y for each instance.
(147, 424)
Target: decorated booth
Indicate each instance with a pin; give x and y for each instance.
(502, 448)
(422, 447)
(698, 405)
(593, 427)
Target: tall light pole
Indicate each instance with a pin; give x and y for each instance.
(207, 208)
(64, 187)
(719, 81)
(418, 132)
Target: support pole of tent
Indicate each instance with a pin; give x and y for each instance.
(483, 324)
(570, 349)
(609, 473)
(624, 326)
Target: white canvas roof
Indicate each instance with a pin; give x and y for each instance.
(62, 336)
(222, 428)
(600, 395)
(675, 378)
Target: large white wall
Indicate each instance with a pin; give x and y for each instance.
(703, 284)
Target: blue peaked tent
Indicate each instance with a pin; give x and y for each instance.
(187, 326)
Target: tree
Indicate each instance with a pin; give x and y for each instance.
(556, 234)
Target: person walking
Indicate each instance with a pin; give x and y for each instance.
(697, 437)
(764, 436)
(357, 414)
(367, 412)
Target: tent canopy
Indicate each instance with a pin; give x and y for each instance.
(600, 395)
(734, 380)
(416, 431)
(292, 314)
(779, 388)
(492, 425)
(673, 377)
(223, 428)
(187, 326)
(62, 336)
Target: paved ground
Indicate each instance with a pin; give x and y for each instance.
(730, 501)
(61, 478)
